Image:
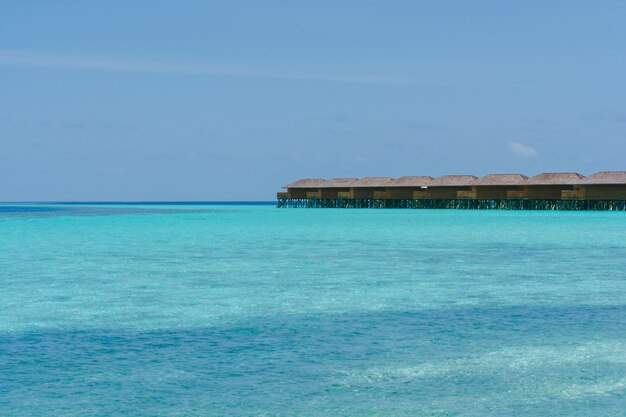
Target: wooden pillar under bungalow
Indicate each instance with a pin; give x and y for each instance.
(605, 190)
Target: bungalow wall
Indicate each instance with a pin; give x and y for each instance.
(401, 193)
(361, 192)
(605, 192)
(333, 192)
(547, 192)
(498, 192)
(422, 193)
(299, 192)
(487, 192)
(448, 193)
(366, 192)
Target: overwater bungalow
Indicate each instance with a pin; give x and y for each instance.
(500, 186)
(555, 186)
(337, 188)
(605, 185)
(449, 187)
(305, 188)
(371, 187)
(415, 187)
(604, 190)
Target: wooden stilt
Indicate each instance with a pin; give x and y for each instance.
(459, 204)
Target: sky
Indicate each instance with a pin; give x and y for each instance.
(230, 100)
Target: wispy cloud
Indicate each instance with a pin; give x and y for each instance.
(43, 60)
(522, 150)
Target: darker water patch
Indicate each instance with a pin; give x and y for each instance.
(293, 364)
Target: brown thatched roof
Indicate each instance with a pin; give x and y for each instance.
(502, 179)
(546, 178)
(422, 181)
(372, 182)
(454, 180)
(307, 183)
(607, 177)
(340, 182)
(556, 178)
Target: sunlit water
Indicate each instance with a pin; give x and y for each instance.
(207, 310)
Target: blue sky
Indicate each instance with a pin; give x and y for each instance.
(199, 100)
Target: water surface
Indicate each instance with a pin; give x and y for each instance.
(203, 310)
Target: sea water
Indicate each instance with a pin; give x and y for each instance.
(210, 310)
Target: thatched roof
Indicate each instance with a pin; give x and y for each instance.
(607, 177)
(373, 182)
(307, 183)
(556, 178)
(422, 181)
(340, 182)
(546, 178)
(502, 179)
(454, 180)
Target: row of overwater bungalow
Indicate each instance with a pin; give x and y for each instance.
(606, 185)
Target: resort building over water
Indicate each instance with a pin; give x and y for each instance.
(547, 191)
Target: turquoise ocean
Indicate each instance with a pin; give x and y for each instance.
(244, 310)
